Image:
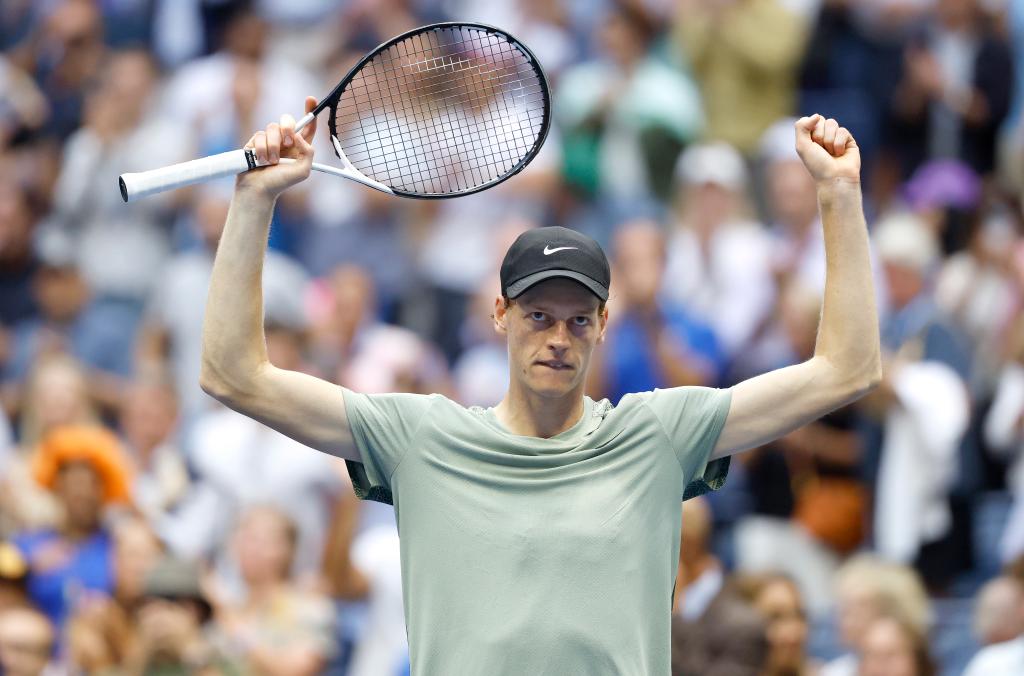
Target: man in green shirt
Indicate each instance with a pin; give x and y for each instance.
(540, 536)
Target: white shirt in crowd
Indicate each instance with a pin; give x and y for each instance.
(382, 644)
(242, 463)
(1001, 659)
(730, 286)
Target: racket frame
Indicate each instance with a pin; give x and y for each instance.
(134, 186)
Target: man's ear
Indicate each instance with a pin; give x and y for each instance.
(500, 315)
(602, 322)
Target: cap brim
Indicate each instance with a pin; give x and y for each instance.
(519, 286)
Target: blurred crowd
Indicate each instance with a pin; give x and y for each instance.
(145, 530)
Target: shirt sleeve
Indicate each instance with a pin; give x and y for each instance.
(383, 427)
(693, 418)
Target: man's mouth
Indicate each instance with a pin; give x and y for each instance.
(556, 365)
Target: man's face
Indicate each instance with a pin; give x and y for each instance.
(552, 329)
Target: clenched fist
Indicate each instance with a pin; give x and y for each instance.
(828, 151)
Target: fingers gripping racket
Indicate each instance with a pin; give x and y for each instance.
(444, 110)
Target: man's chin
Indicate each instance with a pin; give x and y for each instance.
(554, 388)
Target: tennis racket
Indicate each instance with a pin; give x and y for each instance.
(444, 110)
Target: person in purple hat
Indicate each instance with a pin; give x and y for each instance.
(541, 536)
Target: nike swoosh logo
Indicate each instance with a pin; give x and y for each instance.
(548, 252)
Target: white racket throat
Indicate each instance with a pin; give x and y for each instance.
(347, 170)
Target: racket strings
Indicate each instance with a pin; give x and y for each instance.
(441, 112)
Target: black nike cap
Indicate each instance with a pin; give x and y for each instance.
(543, 253)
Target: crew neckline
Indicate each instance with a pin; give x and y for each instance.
(491, 417)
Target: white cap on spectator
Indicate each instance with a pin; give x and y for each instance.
(718, 163)
(905, 239)
(778, 142)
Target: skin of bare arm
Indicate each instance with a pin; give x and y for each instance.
(847, 358)
(235, 368)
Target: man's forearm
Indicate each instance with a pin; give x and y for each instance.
(234, 347)
(848, 336)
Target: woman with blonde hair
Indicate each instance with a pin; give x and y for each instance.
(868, 587)
(895, 646)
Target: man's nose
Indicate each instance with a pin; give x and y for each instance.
(558, 337)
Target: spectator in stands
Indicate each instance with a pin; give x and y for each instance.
(1004, 436)
(25, 110)
(117, 246)
(72, 321)
(730, 639)
(64, 52)
(56, 394)
(87, 471)
(27, 640)
(977, 285)
(1002, 653)
(651, 341)
(222, 96)
(101, 632)
(276, 627)
(778, 599)
(20, 210)
(240, 463)
(718, 257)
(809, 503)
(366, 566)
(375, 356)
(701, 574)
(999, 612)
(868, 588)
(894, 647)
(174, 634)
(953, 95)
(627, 114)
(745, 55)
(923, 388)
(148, 424)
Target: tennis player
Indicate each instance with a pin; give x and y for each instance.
(540, 536)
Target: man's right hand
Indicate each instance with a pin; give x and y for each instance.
(276, 141)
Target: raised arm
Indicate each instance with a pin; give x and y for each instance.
(235, 368)
(847, 357)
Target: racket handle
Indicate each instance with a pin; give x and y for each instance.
(137, 185)
(306, 119)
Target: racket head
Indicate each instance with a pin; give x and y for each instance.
(443, 110)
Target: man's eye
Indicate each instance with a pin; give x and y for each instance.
(581, 320)
(537, 316)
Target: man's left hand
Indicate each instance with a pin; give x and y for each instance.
(828, 151)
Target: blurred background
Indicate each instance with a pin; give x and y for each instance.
(144, 529)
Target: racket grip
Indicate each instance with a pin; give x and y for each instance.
(137, 185)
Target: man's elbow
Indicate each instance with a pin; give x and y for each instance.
(867, 380)
(212, 383)
(852, 381)
(224, 386)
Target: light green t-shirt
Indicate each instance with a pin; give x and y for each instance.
(547, 557)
